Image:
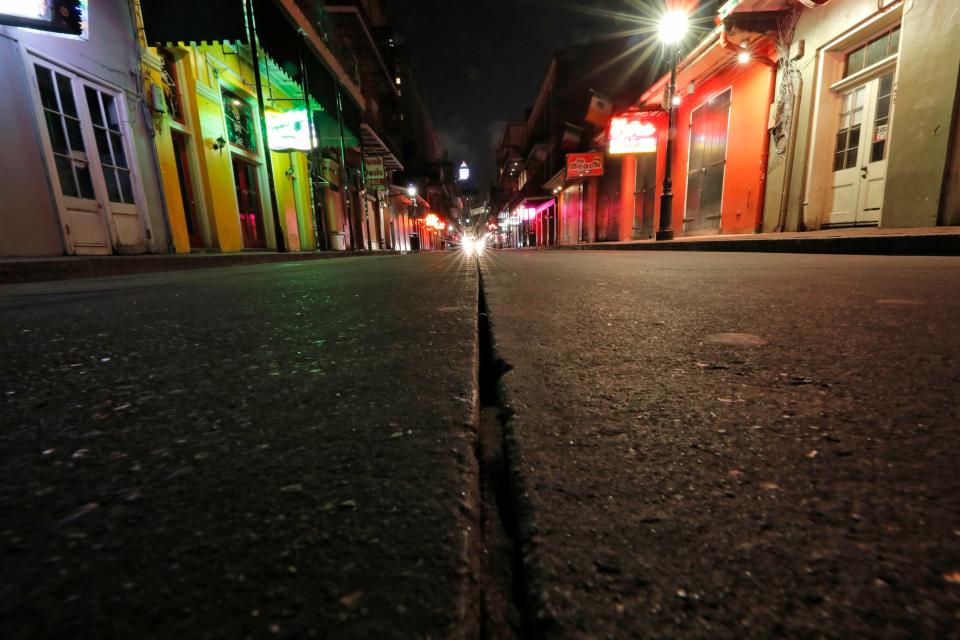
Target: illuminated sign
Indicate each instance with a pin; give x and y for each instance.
(464, 172)
(584, 165)
(633, 133)
(376, 173)
(289, 131)
(60, 16)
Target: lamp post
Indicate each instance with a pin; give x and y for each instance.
(673, 26)
(412, 192)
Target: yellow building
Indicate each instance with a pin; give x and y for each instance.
(214, 161)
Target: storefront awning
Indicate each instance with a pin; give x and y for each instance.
(373, 145)
(167, 22)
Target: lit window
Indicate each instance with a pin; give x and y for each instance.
(239, 121)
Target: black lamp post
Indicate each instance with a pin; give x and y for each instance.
(672, 29)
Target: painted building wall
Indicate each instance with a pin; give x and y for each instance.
(203, 73)
(744, 170)
(817, 28)
(926, 96)
(29, 222)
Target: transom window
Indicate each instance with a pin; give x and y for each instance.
(882, 46)
(239, 122)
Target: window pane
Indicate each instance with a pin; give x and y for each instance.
(883, 107)
(119, 157)
(878, 150)
(45, 83)
(57, 138)
(855, 61)
(66, 95)
(102, 147)
(86, 184)
(65, 172)
(93, 104)
(110, 177)
(838, 161)
(110, 108)
(886, 84)
(894, 41)
(876, 51)
(856, 117)
(854, 141)
(126, 188)
(74, 135)
(841, 141)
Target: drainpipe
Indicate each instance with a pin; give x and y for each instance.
(255, 60)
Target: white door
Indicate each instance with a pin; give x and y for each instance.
(104, 109)
(81, 212)
(860, 154)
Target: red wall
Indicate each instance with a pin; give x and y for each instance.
(744, 175)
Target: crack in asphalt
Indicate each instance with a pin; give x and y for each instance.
(503, 590)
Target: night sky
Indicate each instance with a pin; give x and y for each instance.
(480, 63)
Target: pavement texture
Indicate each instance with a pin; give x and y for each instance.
(732, 445)
(273, 451)
(18, 270)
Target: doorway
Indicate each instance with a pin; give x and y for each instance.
(860, 154)
(645, 196)
(248, 202)
(86, 145)
(187, 192)
(707, 162)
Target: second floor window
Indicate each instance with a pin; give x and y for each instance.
(239, 122)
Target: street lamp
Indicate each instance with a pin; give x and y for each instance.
(673, 27)
(412, 192)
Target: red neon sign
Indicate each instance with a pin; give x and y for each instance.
(633, 133)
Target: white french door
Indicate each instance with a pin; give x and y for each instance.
(81, 212)
(88, 155)
(860, 154)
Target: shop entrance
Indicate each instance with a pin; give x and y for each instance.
(860, 154)
(707, 161)
(645, 195)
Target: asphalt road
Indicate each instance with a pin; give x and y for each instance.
(283, 450)
(733, 445)
(697, 446)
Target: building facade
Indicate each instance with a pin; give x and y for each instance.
(79, 175)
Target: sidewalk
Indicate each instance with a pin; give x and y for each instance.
(918, 241)
(15, 270)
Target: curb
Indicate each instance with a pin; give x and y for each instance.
(39, 270)
(892, 245)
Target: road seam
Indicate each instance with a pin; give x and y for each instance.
(506, 491)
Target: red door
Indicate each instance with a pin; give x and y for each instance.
(187, 194)
(248, 202)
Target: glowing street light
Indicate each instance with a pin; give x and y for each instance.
(673, 28)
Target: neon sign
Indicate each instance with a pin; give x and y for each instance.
(289, 131)
(633, 133)
(59, 16)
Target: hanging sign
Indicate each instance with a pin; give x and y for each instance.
(289, 131)
(60, 16)
(584, 165)
(376, 173)
(633, 133)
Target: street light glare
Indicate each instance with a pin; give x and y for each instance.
(673, 26)
(412, 192)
